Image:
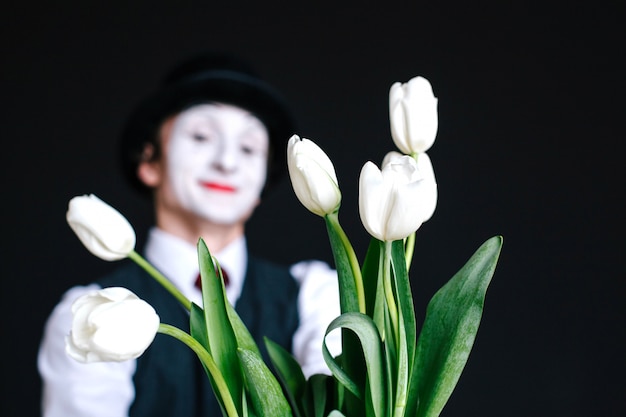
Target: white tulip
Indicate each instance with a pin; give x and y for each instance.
(429, 185)
(111, 324)
(391, 156)
(102, 229)
(390, 201)
(312, 176)
(413, 115)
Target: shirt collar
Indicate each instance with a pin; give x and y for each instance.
(177, 259)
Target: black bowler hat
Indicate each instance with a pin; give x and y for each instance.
(210, 77)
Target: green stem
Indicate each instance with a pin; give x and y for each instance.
(354, 262)
(409, 248)
(389, 295)
(207, 360)
(161, 279)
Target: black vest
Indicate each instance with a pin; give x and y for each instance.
(169, 380)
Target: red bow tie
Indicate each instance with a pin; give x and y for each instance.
(198, 282)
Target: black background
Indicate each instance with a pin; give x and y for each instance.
(529, 147)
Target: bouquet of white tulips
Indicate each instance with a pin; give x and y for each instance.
(385, 367)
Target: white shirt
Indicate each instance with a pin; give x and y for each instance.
(72, 389)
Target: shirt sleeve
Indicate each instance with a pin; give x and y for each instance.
(318, 305)
(71, 388)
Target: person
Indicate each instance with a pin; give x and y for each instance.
(207, 146)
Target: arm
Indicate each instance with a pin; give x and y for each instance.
(318, 305)
(72, 389)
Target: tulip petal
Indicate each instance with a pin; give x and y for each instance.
(111, 324)
(428, 202)
(413, 115)
(125, 328)
(372, 199)
(102, 229)
(390, 200)
(404, 216)
(313, 176)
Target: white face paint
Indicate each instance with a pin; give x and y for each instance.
(217, 162)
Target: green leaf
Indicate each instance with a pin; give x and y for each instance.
(404, 295)
(371, 345)
(242, 334)
(350, 291)
(342, 251)
(220, 333)
(407, 332)
(371, 273)
(265, 392)
(198, 330)
(391, 356)
(217, 379)
(399, 342)
(289, 373)
(452, 320)
(318, 395)
(197, 325)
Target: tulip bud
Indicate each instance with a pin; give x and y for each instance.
(111, 324)
(102, 229)
(390, 201)
(312, 176)
(425, 167)
(413, 115)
